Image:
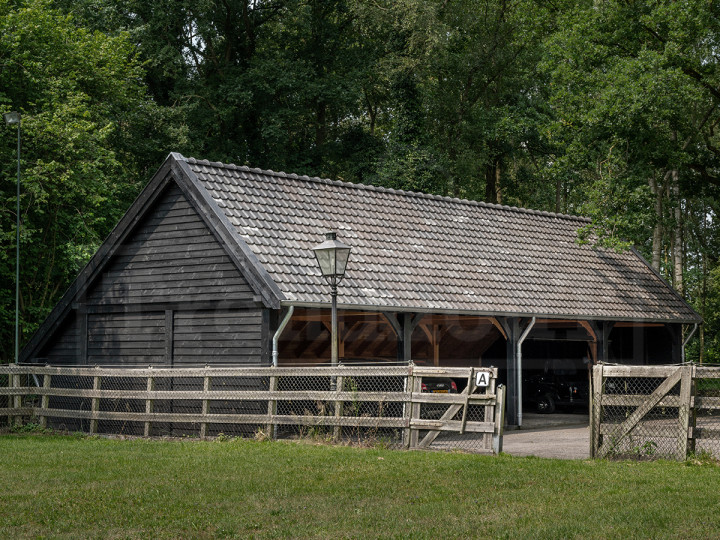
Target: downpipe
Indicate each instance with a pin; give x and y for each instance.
(519, 368)
(682, 353)
(278, 333)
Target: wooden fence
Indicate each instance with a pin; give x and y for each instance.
(655, 411)
(386, 401)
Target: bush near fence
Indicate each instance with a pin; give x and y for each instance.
(368, 404)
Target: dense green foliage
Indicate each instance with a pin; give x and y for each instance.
(608, 109)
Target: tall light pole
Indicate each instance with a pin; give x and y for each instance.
(10, 119)
(332, 257)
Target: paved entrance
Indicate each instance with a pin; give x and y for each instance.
(560, 436)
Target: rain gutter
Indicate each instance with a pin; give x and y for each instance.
(686, 341)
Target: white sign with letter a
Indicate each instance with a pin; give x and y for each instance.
(482, 379)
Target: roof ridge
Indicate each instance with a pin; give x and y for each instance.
(381, 189)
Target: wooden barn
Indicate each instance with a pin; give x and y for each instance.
(212, 259)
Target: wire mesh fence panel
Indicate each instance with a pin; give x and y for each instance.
(66, 401)
(642, 412)
(706, 417)
(121, 405)
(5, 400)
(361, 405)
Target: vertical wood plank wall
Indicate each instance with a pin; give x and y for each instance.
(150, 304)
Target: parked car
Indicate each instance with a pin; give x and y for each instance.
(549, 392)
(435, 385)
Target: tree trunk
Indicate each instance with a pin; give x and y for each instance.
(657, 191)
(492, 182)
(558, 188)
(677, 236)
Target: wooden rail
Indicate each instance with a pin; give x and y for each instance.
(265, 397)
(660, 405)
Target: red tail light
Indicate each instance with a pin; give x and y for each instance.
(453, 386)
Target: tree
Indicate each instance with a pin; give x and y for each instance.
(86, 116)
(634, 89)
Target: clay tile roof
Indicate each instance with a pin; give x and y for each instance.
(413, 251)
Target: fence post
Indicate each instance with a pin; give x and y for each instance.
(684, 419)
(490, 409)
(415, 411)
(18, 400)
(149, 404)
(272, 408)
(596, 409)
(407, 389)
(10, 402)
(95, 405)
(499, 419)
(45, 400)
(205, 406)
(337, 430)
(693, 412)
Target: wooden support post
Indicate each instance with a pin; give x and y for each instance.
(205, 406)
(337, 430)
(513, 392)
(95, 405)
(272, 408)
(686, 381)
(83, 336)
(149, 405)
(45, 400)
(169, 336)
(596, 410)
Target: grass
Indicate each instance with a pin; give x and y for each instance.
(71, 487)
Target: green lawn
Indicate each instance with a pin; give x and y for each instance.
(53, 486)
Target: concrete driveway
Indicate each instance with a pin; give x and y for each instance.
(550, 436)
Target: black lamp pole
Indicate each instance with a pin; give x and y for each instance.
(10, 119)
(332, 257)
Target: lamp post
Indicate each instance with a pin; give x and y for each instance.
(12, 118)
(332, 257)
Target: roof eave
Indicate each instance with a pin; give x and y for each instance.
(490, 313)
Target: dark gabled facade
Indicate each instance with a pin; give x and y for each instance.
(201, 267)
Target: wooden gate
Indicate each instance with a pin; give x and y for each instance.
(471, 419)
(641, 411)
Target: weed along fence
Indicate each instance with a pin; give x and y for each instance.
(655, 411)
(400, 406)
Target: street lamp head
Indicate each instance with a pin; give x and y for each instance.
(332, 256)
(12, 117)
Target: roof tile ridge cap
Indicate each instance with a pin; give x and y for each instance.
(383, 189)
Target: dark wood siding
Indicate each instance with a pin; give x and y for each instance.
(169, 296)
(171, 256)
(63, 348)
(125, 338)
(217, 336)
